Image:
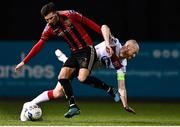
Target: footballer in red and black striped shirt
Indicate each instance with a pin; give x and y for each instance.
(67, 25)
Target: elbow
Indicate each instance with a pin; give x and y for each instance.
(104, 27)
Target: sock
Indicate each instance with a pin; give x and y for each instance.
(45, 96)
(111, 91)
(71, 101)
(50, 94)
(68, 91)
(96, 83)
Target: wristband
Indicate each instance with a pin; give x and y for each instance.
(120, 76)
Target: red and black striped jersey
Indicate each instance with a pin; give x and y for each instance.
(69, 28)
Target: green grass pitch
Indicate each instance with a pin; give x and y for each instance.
(95, 113)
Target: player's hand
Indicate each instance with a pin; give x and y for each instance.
(19, 66)
(129, 109)
(109, 50)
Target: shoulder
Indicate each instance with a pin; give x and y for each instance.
(47, 32)
(101, 49)
(100, 45)
(67, 12)
(47, 28)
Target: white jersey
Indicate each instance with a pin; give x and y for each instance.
(104, 57)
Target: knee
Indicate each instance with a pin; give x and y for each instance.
(58, 93)
(61, 76)
(83, 74)
(65, 73)
(82, 78)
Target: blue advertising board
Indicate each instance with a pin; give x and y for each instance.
(154, 73)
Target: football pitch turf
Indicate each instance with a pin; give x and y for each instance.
(95, 113)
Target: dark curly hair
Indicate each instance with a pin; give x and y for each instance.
(48, 8)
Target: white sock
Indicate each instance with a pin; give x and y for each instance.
(41, 98)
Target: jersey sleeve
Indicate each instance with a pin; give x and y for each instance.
(46, 34)
(88, 22)
(36, 48)
(97, 47)
(122, 69)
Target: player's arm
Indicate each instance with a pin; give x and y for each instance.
(88, 22)
(106, 33)
(47, 33)
(36, 48)
(123, 93)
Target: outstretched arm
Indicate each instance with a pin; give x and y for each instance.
(86, 21)
(107, 35)
(123, 93)
(32, 53)
(36, 48)
(91, 24)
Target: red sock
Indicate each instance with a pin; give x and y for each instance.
(50, 94)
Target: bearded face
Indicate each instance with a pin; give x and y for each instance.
(128, 51)
(52, 18)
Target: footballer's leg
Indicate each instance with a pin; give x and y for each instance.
(43, 97)
(96, 82)
(68, 71)
(49, 95)
(86, 63)
(65, 78)
(73, 108)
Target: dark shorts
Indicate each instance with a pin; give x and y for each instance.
(83, 58)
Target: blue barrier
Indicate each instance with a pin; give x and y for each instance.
(154, 73)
